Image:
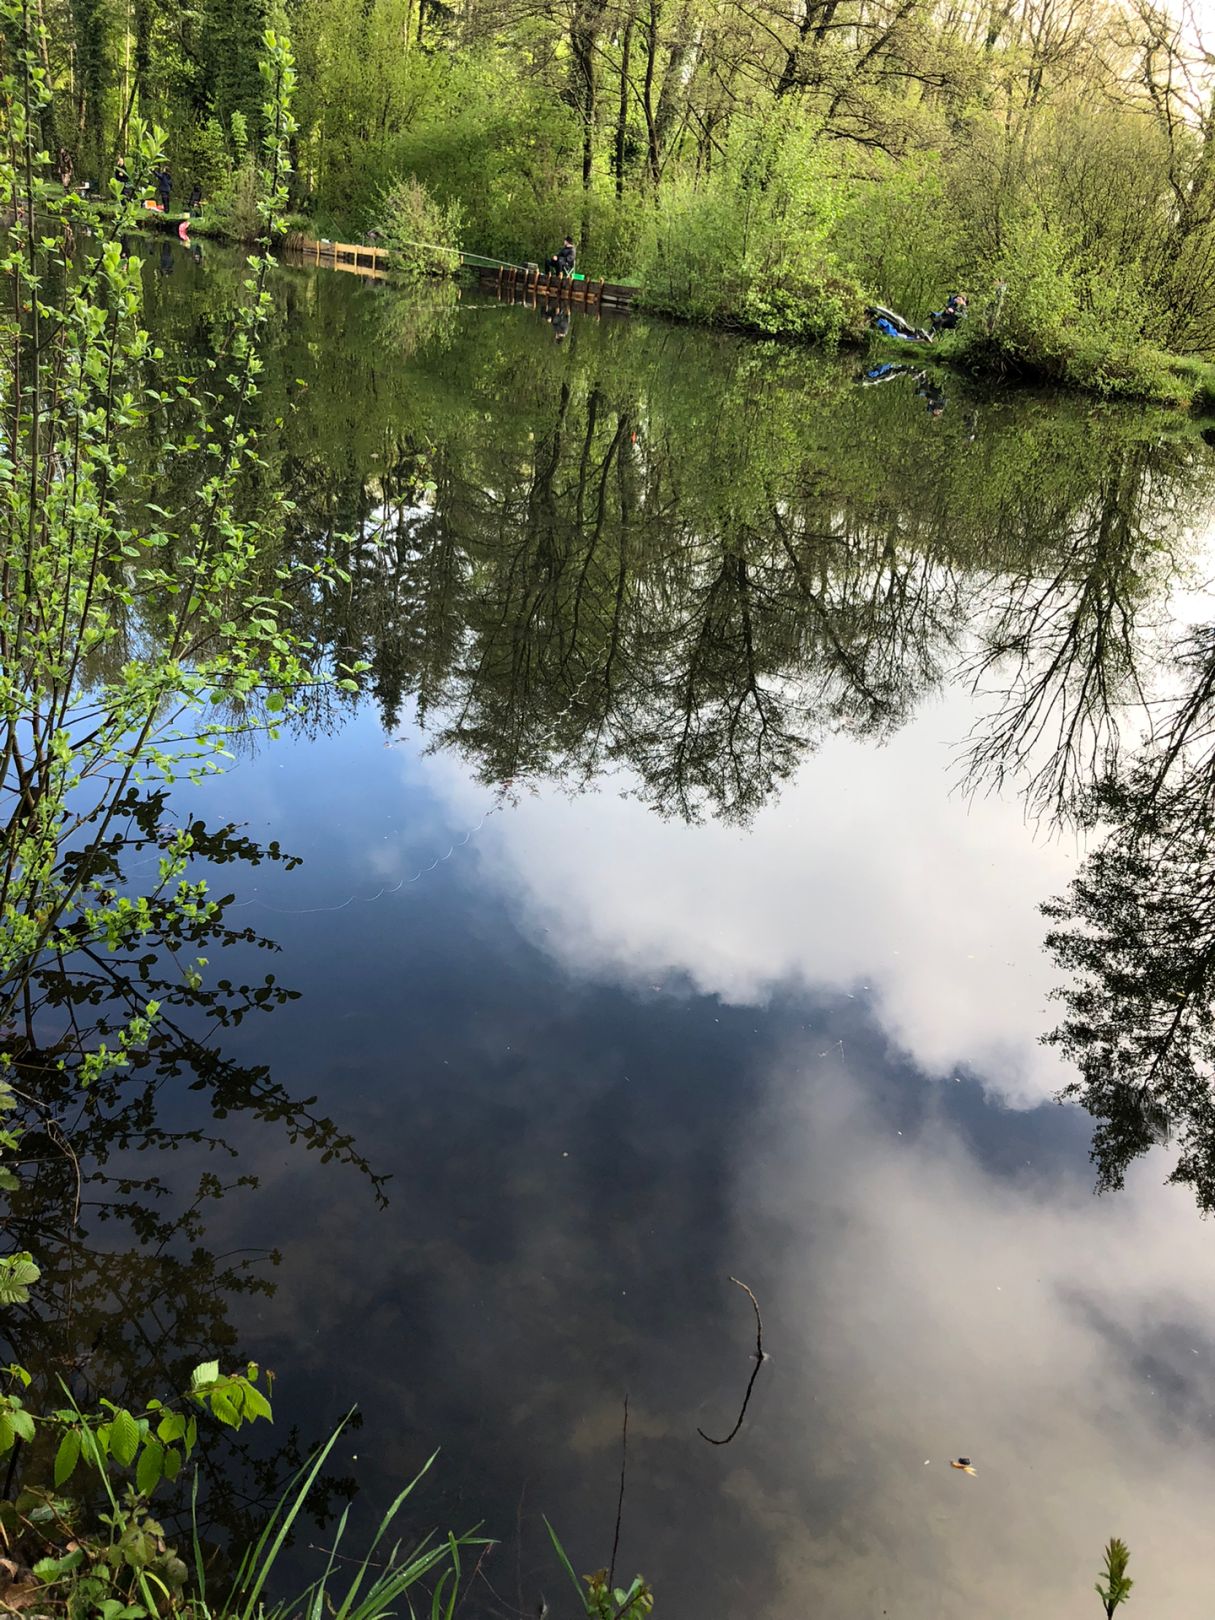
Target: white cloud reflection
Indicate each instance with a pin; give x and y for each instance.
(1066, 1343)
(864, 876)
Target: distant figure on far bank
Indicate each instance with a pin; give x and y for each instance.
(164, 185)
(195, 202)
(563, 260)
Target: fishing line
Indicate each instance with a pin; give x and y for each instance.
(542, 740)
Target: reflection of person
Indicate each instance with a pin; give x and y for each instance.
(932, 394)
(926, 385)
(562, 262)
(561, 324)
(166, 258)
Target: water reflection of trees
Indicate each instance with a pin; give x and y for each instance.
(1064, 645)
(132, 1293)
(1135, 937)
(698, 560)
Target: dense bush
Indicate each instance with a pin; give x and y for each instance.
(422, 236)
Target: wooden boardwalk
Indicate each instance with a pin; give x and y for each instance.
(508, 278)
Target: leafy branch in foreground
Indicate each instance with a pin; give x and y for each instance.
(144, 611)
(116, 1563)
(69, 1554)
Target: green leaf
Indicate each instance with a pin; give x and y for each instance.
(151, 1467)
(171, 1427)
(274, 702)
(172, 1463)
(23, 1424)
(124, 1438)
(67, 1456)
(256, 1404)
(206, 1373)
(116, 1609)
(225, 1408)
(17, 1274)
(50, 1569)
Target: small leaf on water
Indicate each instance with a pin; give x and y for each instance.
(17, 1273)
(225, 1408)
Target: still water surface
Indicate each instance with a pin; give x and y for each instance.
(669, 911)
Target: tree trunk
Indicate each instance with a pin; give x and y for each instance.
(648, 94)
(681, 64)
(622, 112)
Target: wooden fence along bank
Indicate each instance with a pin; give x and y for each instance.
(510, 279)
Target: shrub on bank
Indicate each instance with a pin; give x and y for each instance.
(750, 244)
(421, 234)
(822, 310)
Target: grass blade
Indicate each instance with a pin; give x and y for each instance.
(565, 1563)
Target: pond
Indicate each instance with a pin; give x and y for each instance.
(669, 911)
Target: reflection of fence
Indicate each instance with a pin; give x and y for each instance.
(530, 279)
(355, 256)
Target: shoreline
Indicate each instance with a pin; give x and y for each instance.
(1185, 384)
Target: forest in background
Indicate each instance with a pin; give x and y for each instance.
(766, 163)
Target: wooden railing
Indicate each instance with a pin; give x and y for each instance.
(339, 255)
(511, 279)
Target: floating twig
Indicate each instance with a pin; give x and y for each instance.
(760, 1358)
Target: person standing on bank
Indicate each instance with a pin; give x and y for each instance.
(164, 185)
